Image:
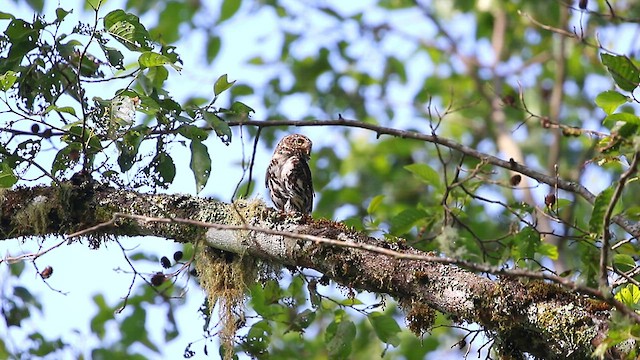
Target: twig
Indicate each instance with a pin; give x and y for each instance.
(32, 256)
(606, 235)
(570, 186)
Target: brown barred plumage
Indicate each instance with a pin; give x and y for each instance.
(288, 176)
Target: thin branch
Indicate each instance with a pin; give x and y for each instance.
(253, 159)
(606, 235)
(32, 256)
(569, 186)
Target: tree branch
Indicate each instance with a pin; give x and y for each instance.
(531, 317)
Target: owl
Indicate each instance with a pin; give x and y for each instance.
(288, 176)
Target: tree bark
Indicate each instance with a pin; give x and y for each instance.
(541, 319)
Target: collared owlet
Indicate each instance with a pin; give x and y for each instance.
(288, 176)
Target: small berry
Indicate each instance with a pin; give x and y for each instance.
(164, 261)
(177, 256)
(157, 279)
(550, 200)
(515, 179)
(46, 273)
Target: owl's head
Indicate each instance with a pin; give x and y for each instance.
(295, 144)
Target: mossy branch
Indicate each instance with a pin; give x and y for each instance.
(517, 314)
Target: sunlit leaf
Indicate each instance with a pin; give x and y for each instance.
(629, 295)
(7, 80)
(127, 29)
(151, 59)
(221, 85)
(548, 250)
(610, 100)
(7, 176)
(374, 203)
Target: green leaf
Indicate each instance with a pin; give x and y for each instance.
(374, 204)
(221, 85)
(66, 157)
(258, 337)
(599, 208)
(7, 177)
(303, 320)
(64, 109)
(151, 59)
(610, 100)
(165, 168)
(128, 148)
(241, 90)
(611, 120)
(26, 296)
(241, 109)
(623, 262)
(93, 4)
(406, 220)
(6, 16)
(629, 295)
(339, 338)
(386, 328)
(623, 71)
(127, 29)
(192, 132)
(7, 80)
(200, 164)
(526, 243)
(222, 129)
(61, 14)
(134, 330)
(394, 65)
(115, 57)
(425, 173)
(213, 47)
(228, 9)
(105, 313)
(548, 250)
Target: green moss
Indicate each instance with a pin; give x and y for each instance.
(35, 215)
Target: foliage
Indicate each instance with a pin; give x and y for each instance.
(526, 82)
